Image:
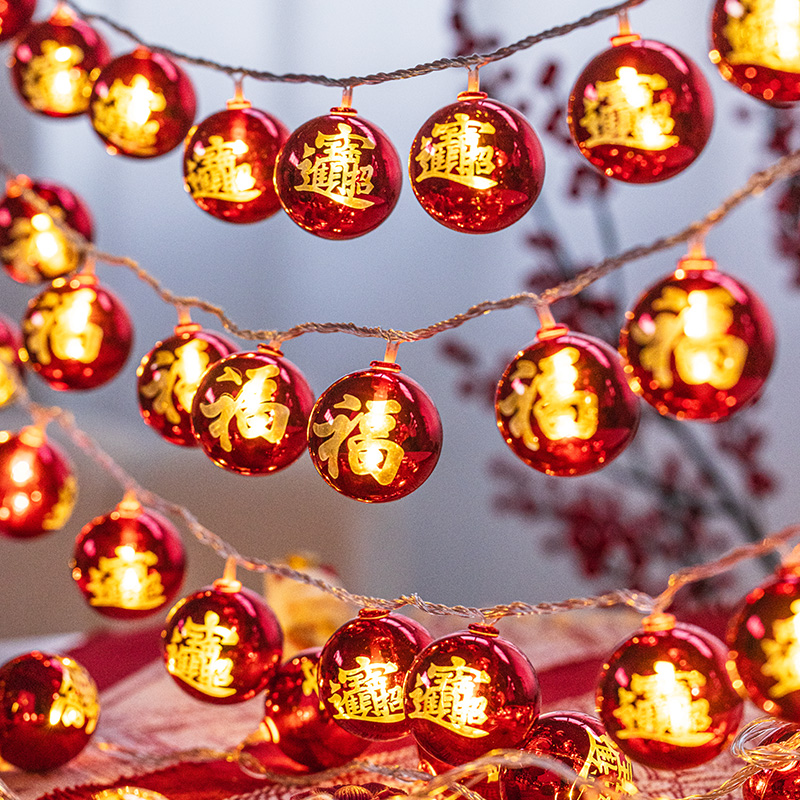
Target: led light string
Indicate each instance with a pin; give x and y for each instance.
(373, 78)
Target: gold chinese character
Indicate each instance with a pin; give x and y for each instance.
(256, 414)
(194, 655)
(215, 173)
(664, 707)
(369, 452)
(783, 654)
(61, 328)
(560, 410)
(451, 699)
(75, 705)
(367, 692)
(9, 376)
(38, 249)
(123, 115)
(176, 378)
(58, 515)
(454, 152)
(692, 326)
(605, 762)
(53, 80)
(765, 33)
(623, 113)
(125, 581)
(336, 171)
(309, 686)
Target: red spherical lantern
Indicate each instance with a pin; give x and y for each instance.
(142, 104)
(12, 373)
(338, 176)
(229, 163)
(476, 165)
(564, 405)
(665, 697)
(757, 48)
(14, 16)
(222, 644)
(641, 111)
(764, 638)
(48, 710)
(470, 692)
(37, 487)
(375, 435)
(297, 722)
(32, 247)
(129, 563)
(56, 63)
(77, 334)
(250, 411)
(361, 672)
(577, 740)
(169, 375)
(699, 344)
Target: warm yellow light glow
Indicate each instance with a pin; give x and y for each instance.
(41, 222)
(695, 317)
(239, 147)
(46, 244)
(129, 583)
(126, 552)
(565, 373)
(21, 471)
(375, 418)
(193, 363)
(62, 53)
(76, 319)
(786, 18)
(141, 97)
(20, 502)
(372, 457)
(636, 94)
(243, 178)
(677, 707)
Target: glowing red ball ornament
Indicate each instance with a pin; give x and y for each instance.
(375, 435)
(77, 334)
(338, 176)
(14, 16)
(169, 375)
(470, 692)
(665, 697)
(32, 247)
(361, 672)
(12, 373)
(56, 63)
(564, 405)
(577, 740)
(37, 487)
(129, 563)
(640, 111)
(476, 165)
(142, 104)
(756, 46)
(299, 724)
(229, 162)
(764, 637)
(48, 710)
(222, 644)
(250, 411)
(698, 344)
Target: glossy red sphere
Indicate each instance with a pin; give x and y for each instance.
(56, 63)
(299, 724)
(222, 644)
(169, 375)
(665, 697)
(37, 487)
(580, 742)
(375, 435)
(564, 405)
(32, 248)
(756, 46)
(338, 176)
(77, 334)
(470, 692)
(774, 784)
(129, 563)
(362, 668)
(250, 412)
(12, 373)
(764, 641)
(14, 16)
(142, 104)
(476, 165)
(48, 710)
(229, 163)
(698, 344)
(641, 111)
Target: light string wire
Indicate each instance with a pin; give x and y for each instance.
(756, 184)
(373, 78)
